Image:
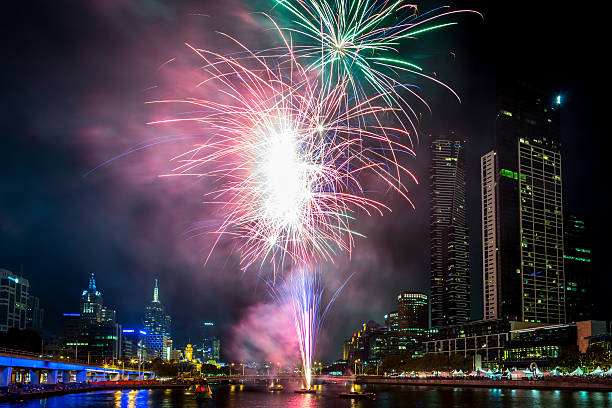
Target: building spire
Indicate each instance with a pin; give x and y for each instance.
(155, 293)
(92, 283)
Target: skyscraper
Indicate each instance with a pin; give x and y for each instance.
(577, 265)
(91, 302)
(210, 344)
(157, 326)
(522, 224)
(450, 275)
(489, 237)
(99, 337)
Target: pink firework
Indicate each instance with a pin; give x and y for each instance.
(286, 155)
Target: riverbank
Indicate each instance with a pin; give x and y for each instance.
(553, 383)
(78, 390)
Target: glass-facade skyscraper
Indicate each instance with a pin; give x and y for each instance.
(157, 327)
(522, 217)
(210, 348)
(577, 264)
(449, 244)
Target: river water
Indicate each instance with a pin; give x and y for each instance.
(327, 396)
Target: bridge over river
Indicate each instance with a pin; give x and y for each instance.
(25, 367)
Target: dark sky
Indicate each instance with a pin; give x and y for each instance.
(75, 81)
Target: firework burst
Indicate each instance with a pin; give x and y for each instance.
(358, 40)
(286, 154)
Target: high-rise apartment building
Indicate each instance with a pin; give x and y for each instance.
(577, 265)
(157, 326)
(522, 219)
(449, 245)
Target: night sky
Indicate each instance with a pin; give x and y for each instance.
(75, 79)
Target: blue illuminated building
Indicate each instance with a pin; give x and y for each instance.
(134, 345)
(157, 326)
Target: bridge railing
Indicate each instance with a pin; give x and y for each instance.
(24, 353)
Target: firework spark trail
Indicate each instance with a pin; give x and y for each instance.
(358, 40)
(303, 290)
(288, 155)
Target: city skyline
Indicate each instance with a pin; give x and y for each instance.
(106, 229)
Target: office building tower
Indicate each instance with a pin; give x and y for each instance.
(103, 342)
(210, 345)
(157, 326)
(522, 224)
(91, 302)
(413, 313)
(14, 294)
(107, 316)
(392, 320)
(134, 346)
(577, 265)
(450, 274)
(92, 336)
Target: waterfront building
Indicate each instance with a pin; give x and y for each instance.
(522, 218)
(450, 274)
(502, 343)
(157, 326)
(368, 345)
(544, 344)
(14, 291)
(577, 265)
(484, 341)
(373, 342)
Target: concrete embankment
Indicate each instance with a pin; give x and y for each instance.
(53, 393)
(545, 384)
